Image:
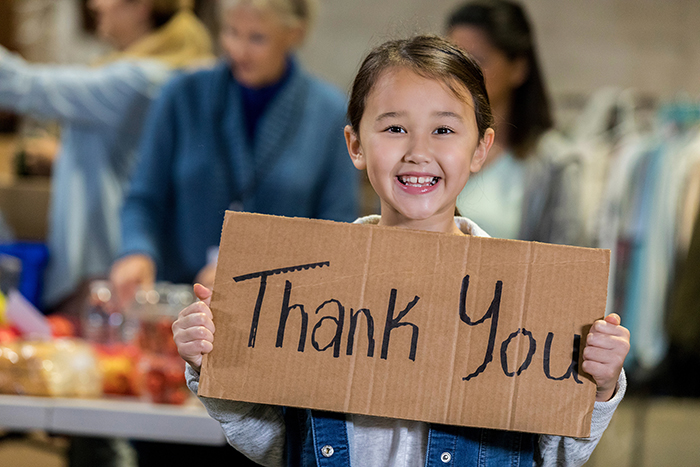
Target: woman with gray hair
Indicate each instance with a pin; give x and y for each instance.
(255, 133)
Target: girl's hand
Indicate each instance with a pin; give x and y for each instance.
(193, 330)
(607, 345)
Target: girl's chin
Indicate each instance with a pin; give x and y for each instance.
(419, 216)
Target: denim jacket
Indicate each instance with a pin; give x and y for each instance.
(320, 439)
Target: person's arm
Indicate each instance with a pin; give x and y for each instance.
(145, 205)
(89, 95)
(571, 452)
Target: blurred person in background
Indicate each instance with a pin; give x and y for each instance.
(256, 133)
(528, 187)
(101, 111)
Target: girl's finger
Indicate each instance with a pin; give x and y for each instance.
(184, 336)
(605, 327)
(194, 320)
(599, 355)
(195, 308)
(202, 293)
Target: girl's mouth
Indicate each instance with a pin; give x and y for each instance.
(418, 182)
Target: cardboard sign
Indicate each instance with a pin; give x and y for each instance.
(404, 324)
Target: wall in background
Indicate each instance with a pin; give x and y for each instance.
(646, 44)
(649, 45)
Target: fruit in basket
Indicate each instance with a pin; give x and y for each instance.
(155, 385)
(119, 365)
(164, 379)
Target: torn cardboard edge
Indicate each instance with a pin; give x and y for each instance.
(390, 322)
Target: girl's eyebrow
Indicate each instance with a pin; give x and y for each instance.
(448, 115)
(389, 115)
(445, 113)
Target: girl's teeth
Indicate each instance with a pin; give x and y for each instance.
(418, 180)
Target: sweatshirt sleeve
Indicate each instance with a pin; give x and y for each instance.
(88, 95)
(572, 452)
(255, 430)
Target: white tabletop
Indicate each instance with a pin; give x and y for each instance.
(106, 417)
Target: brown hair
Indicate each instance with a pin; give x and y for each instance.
(428, 56)
(507, 28)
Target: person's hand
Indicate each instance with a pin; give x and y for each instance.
(206, 275)
(607, 345)
(193, 330)
(129, 273)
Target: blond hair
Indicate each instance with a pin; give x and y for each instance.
(293, 13)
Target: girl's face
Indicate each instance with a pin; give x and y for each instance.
(118, 20)
(257, 42)
(501, 74)
(419, 143)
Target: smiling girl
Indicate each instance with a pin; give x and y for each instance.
(420, 123)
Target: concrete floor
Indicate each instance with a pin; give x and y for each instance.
(33, 450)
(643, 433)
(651, 433)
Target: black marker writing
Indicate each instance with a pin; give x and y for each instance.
(392, 323)
(573, 367)
(491, 313)
(528, 358)
(261, 291)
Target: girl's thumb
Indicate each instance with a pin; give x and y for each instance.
(202, 293)
(613, 318)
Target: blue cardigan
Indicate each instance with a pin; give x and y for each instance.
(196, 161)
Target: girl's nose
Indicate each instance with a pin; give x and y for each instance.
(418, 151)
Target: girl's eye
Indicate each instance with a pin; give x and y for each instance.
(443, 131)
(395, 129)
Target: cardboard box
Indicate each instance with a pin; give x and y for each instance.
(405, 324)
(25, 204)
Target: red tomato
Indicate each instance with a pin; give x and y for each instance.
(61, 326)
(8, 334)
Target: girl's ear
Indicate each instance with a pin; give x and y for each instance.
(482, 151)
(354, 148)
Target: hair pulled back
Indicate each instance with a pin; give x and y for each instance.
(428, 56)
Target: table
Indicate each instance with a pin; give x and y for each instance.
(111, 418)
